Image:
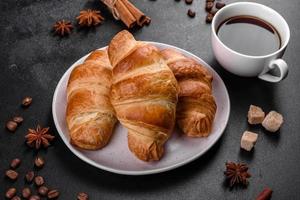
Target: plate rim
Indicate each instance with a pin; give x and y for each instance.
(143, 172)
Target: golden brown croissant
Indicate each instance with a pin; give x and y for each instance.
(144, 95)
(90, 115)
(196, 106)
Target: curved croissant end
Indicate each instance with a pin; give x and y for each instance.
(196, 107)
(123, 40)
(90, 116)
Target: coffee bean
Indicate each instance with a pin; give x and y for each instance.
(82, 196)
(18, 119)
(191, 13)
(209, 6)
(16, 198)
(26, 192)
(43, 190)
(39, 180)
(52, 194)
(15, 163)
(188, 1)
(39, 162)
(10, 193)
(26, 101)
(34, 197)
(209, 17)
(12, 174)
(11, 126)
(29, 176)
(220, 5)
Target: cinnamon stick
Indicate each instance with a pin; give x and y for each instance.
(124, 14)
(127, 12)
(147, 21)
(138, 15)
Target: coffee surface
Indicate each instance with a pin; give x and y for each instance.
(249, 35)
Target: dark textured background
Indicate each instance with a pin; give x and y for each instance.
(33, 60)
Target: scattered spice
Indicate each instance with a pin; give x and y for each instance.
(62, 28)
(266, 194)
(82, 196)
(39, 180)
(52, 194)
(15, 163)
(11, 174)
(10, 193)
(29, 176)
(11, 126)
(237, 173)
(39, 162)
(89, 18)
(26, 101)
(39, 137)
(209, 5)
(209, 18)
(43, 190)
(35, 138)
(220, 5)
(188, 1)
(191, 13)
(18, 119)
(26, 192)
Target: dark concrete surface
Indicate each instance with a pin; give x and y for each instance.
(32, 61)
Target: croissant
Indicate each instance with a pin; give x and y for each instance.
(143, 94)
(196, 106)
(90, 116)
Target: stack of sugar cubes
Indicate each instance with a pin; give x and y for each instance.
(272, 122)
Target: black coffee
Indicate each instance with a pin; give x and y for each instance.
(249, 35)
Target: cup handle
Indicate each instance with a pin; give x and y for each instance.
(283, 69)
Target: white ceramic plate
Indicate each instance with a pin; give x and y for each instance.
(117, 158)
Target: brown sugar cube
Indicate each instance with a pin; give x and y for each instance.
(248, 140)
(273, 121)
(255, 115)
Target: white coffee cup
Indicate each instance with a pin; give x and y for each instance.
(247, 65)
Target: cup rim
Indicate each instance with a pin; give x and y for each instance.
(256, 4)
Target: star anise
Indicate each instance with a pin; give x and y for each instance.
(39, 137)
(237, 173)
(89, 18)
(63, 27)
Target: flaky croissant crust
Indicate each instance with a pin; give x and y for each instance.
(143, 93)
(196, 106)
(90, 116)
